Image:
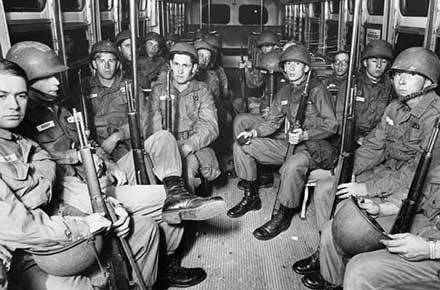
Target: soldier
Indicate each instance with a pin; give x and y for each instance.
(123, 42)
(205, 74)
(51, 125)
(196, 126)
(27, 221)
(384, 167)
(153, 65)
(310, 143)
(340, 68)
(170, 40)
(372, 96)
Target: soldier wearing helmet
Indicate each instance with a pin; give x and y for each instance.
(204, 73)
(339, 76)
(197, 125)
(384, 167)
(28, 224)
(152, 64)
(312, 150)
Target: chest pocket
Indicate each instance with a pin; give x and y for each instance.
(190, 105)
(13, 171)
(48, 132)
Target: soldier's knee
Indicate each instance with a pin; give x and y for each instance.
(358, 274)
(163, 135)
(298, 163)
(240, 122)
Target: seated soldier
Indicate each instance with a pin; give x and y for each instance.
(372, 96)
(312, 150)
(153, 64)
(195, 115)
(27, 175)
(51, 125)
(339, 76)
(384, 167)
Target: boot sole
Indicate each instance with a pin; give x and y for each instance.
(200, 213)
(185, 285)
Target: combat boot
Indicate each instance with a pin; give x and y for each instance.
(182, 205)
(307, 265)
(250, 201)
(172, 274)
(278, 224)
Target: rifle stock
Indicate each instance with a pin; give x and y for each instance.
(410, 205)
(120, 276)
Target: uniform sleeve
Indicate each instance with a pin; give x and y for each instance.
(224, 85)
(206, 127)
(326, 123)
(42, 164)
(274, 118)
(24, 228)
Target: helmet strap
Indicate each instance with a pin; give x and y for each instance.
(425, 90)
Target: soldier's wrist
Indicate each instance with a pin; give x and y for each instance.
(434, 250)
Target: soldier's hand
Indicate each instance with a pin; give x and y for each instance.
(3, 277)
(296, 136)
(409, 246)
(97, 222)
(245, 137)
(116, 174)
(122, 225)
(99, 165)
(370, 206)
(109, 144)
(346, 190)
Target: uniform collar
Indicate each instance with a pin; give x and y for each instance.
(6, 134)
(363, 76)
(95, 82)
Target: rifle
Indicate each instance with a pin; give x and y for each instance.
(244, 99)
(167, 118)
(120, 276)
(300, 114)
(142, 162)
(344, 166)
(410, 205)
(83, 105)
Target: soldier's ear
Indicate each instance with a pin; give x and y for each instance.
(365, 63)
(194, 68)
(93, 65)
(306, 68)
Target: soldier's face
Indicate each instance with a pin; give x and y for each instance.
(183, 68)
(295, 71)
(152, 47)
(125, 49)
(204, 57)
(376, 66)
(13, 100)
(267, 48)
(406, 83)
(48, 86)
(340, 65)
(105, 64)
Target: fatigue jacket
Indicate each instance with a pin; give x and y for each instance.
(332, 83)
(27, 174)
(395, 147)
(53, 127)
(320, 120)
(152, 67)
(371, 100)
(223, 81)
(197, 123)
(211, 79)
(127, 70)
(109, 107)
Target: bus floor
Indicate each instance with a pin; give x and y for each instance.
(234, 259)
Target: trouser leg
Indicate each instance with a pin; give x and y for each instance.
(293, 176)
(323, 198)
(191, 167)
(245, 122)
(383, 270)
(332, 263)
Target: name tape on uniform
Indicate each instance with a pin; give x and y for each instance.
(389, 121)
(360, 99)
(45, 126)
(285, 102)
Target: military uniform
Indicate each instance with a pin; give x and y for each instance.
(386, 163)
(54, 128)
(27, 176)
(152, 67)
(333, 83)
(196, 126)
(320, 123)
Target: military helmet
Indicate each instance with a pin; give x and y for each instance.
(201, 44)
(123, 35)
(72, 259)
(154, 36)
(37, 59)
(270, 61)
(184, 48)
(418, 60)
(172, 37)
(104, 46)
(213, 40)
(268, 38)
(296, 53)
(378, 48)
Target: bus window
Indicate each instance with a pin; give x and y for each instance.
(108, 32)
(220, 14)
(76, 45)
(405, 40)
(334, 6)
(44, 36)
(250, 14)
(375, 7)
(414, 7)
(71, 6)
(332, 35)
(105, 5)
(314, 36)
(24, 5)
(317, 9)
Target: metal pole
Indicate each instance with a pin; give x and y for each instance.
(201, 14)
(261, 15)
(209, 15)
(133, 37)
